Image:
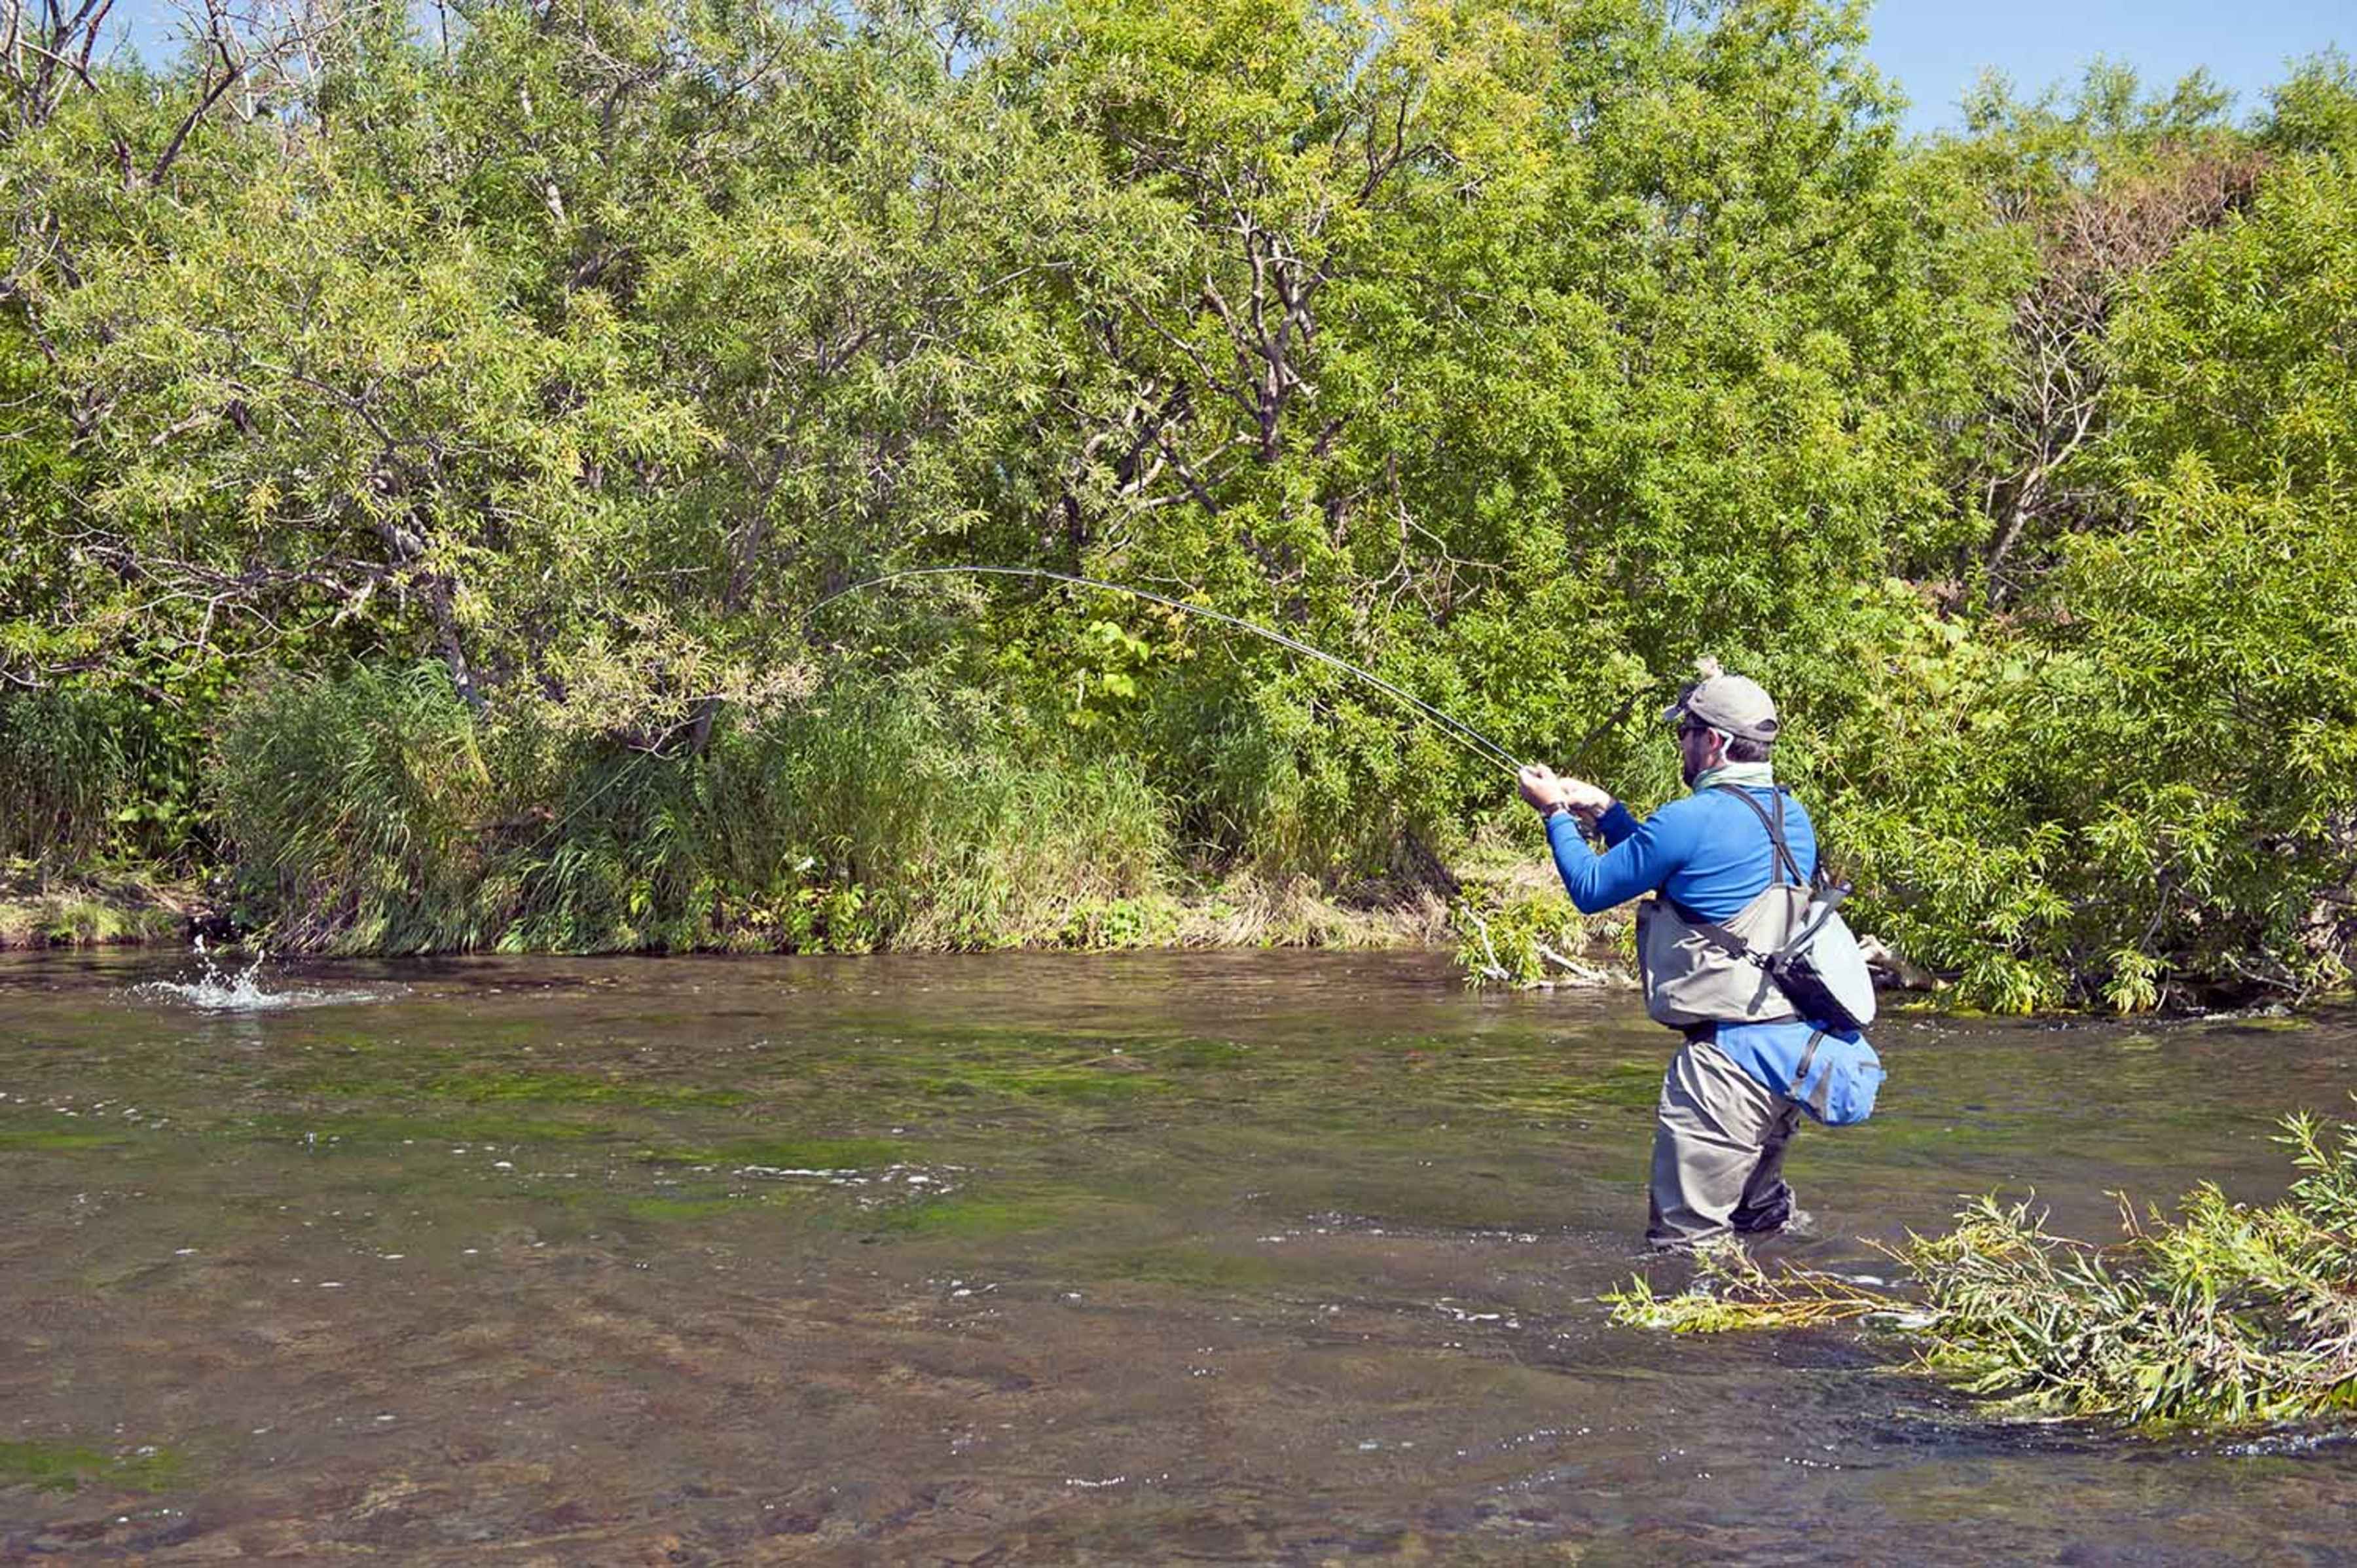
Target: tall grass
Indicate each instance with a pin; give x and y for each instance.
(358, 812)
(64, 776)
(376, 813)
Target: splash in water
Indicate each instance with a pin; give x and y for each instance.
(216, 989)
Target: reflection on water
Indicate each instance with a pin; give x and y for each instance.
(1263, 1257)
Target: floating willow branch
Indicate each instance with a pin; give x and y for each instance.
(1731, 1291)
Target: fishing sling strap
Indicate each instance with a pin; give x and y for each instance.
(1818, 966)
(1700, 971)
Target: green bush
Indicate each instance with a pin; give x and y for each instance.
(2145, 780)
(1515, 938)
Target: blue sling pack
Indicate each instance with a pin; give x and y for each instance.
(1820, 971)
(1837, 1078)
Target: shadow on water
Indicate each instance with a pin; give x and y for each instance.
(1267, 1257)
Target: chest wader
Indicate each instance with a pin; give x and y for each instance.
(1699, 973)
(1719, 1135)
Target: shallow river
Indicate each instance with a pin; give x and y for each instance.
(1229, 1258)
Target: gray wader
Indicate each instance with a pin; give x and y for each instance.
(1718, 1151)
(1719, 1135)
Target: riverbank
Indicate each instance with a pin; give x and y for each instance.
(1506, 920)
(101, 912)
(136, 911)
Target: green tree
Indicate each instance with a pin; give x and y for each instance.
(2144, 779)
(2090, 191)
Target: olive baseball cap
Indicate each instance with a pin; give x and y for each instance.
(1724, 702)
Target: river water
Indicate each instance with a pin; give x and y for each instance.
(1199, 1257)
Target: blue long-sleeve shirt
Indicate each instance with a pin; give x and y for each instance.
(1707, 851)
(1710, 853)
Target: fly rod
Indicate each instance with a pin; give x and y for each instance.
(1473, 740)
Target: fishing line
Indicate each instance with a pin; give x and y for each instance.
(1465, 735)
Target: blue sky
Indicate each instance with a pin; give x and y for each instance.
(1935, 49)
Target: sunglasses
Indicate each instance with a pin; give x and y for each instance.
(1675, 714)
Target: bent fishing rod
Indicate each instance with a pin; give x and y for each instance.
(1473, 740)
(1465, 735)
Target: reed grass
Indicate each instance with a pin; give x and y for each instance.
(64, 777)
(375, 813)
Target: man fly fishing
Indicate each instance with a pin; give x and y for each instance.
(1740, 947)
(1731, 867)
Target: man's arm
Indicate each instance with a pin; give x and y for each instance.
(1640, 856)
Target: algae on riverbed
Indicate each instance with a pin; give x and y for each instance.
(66, 1466)
(1332, 1260)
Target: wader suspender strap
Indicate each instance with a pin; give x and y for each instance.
(1718, 936)
(1827, 895)
(1775, 830)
